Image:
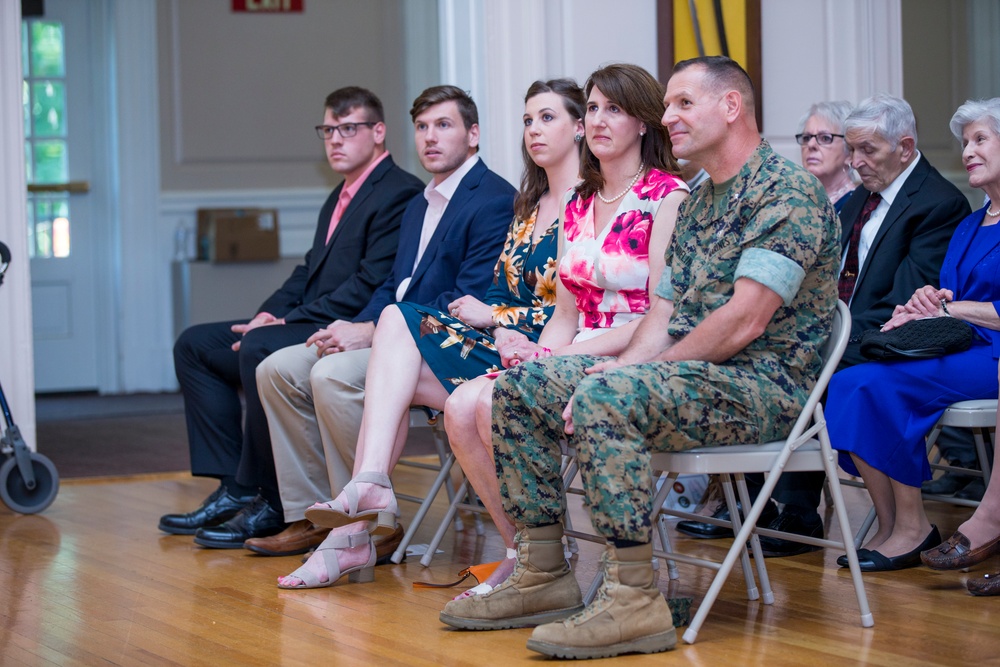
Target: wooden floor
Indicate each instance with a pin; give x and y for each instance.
(92, 582)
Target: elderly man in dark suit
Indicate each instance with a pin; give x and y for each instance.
(895, 231)
(353, 250)
(313, 393)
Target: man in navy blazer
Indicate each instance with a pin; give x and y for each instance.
(313, 393)
(355, 244)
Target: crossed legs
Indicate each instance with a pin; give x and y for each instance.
(396, 378)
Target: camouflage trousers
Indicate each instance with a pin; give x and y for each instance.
(619, 418)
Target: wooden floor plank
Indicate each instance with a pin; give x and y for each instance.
(92, 581)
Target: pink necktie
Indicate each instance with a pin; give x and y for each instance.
(338, 211)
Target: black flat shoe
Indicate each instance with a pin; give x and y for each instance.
(258, 519)
(873, 561)
(842, 560)
(706, 531)
(776, 547)
(218, 507)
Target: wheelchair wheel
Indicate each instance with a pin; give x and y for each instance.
(16, 494)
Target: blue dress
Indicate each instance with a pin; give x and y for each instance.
(881, 411)
(523, 297)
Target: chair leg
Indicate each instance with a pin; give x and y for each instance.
(867, 620)
(866, 526)
(734, 515)
(767, 595)
(983, 453)
(661, 522)
(444, 451)
(418, 518)
(449, 516)
(569, 469)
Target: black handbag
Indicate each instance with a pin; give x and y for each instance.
(918, 339)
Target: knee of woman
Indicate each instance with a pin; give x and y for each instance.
(459, 410)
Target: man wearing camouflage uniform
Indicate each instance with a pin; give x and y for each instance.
(727, 354)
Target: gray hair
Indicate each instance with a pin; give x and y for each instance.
(888, 116)
(974, 110)
(834, 113)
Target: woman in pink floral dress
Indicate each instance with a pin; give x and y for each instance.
(617, 226)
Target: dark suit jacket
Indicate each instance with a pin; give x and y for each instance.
(337, 280)
(907, 252)
(462, 252)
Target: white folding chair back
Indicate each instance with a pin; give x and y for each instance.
(807, 448)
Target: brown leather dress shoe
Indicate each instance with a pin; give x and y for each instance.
(298, 538)
(957, 552)
(987, 585)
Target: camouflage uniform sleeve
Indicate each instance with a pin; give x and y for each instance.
(784, 241)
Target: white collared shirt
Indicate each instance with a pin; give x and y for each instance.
(870, 230)
(437, 198)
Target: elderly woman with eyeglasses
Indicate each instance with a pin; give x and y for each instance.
(824, 152)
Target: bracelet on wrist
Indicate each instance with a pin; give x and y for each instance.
(944, 307)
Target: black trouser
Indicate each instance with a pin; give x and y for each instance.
(210, 375)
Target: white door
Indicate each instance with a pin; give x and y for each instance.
(59, 152)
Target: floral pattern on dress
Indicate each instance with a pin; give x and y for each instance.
(522, 297)
(608, 272)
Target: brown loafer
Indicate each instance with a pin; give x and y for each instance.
(385, 546)
(957, 553)
(298, 538)
(986, 585)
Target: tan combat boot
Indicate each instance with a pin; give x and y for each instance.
(629, 614)
(541, 589)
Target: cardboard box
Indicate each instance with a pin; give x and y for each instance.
(238, 234)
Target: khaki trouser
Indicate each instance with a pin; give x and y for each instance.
(314, 408)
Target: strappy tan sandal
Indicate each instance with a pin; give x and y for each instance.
(380, 521)
(359, 574)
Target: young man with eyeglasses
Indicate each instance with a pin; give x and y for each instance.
(451, 237)
(353, 250)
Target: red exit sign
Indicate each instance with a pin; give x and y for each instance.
(268, 6)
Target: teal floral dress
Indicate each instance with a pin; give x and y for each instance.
(523, 296)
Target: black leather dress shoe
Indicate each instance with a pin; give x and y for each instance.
(871, 560)
(776, 547)
(218, 507)
(258, 519)
(702, 530)
(974, 490)
(946, 485)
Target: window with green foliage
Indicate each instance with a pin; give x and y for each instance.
(45, 154)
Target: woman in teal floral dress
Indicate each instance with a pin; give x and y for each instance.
(419, 356)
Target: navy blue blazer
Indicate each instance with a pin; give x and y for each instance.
(983, 283)
(460, 257)
(337, 279)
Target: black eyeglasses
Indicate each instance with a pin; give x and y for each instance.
(347, 130)
(823, 138)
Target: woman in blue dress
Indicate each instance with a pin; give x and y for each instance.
(878, 413)
(419, 356)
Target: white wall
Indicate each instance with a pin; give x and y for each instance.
(16, 366)
(825, 50)
(813, 49)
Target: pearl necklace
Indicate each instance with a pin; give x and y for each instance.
(990, 212)
(626, 190)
